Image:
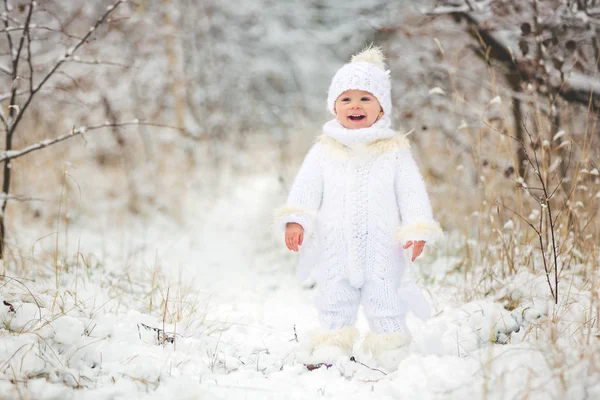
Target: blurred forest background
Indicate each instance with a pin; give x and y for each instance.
(502, 96)
(185, 121)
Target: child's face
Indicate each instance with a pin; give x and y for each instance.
(356, 109)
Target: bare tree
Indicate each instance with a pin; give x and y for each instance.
(548, 47)
(20, 33)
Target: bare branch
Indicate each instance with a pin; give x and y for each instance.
(38, 27)
(22, 41)
(3, 118)
(12, 154)
(17, 197)
(5, 69)
(5, 96)
(69, 53)
(559, 184)
(520, 142)
(97, 62)
(523, 218)
(543, 251)
(15, 113)
(11, 28)
(15, 54)
(29, 60)
(564, 206)
(9, 38)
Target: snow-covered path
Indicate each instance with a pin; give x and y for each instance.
(235, 310)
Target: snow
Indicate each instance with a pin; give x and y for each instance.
(240, 313)
(559, 134)
(496, 100)
(168, 280)
(437, 90)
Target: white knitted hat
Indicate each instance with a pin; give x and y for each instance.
(366, 71)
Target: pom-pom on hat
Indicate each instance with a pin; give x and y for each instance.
(366, 71)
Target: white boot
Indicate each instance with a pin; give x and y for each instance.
(327, 347)
(387, 349)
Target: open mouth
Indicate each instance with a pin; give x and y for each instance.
(356, 117)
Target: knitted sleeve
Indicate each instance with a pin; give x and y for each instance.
(413, 202)
(306, 193)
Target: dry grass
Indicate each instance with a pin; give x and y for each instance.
(475, 194)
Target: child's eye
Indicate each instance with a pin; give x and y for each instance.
(345, 99)
(365, 99)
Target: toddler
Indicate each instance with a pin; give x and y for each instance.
(357, 199)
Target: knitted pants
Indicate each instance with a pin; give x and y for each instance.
(338, 304)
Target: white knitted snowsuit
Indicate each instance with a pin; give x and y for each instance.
(358, 196)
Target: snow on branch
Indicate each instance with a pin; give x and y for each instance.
(33, 27)
(77, 60)
(12, 154)
(11, 29)
(546, 44)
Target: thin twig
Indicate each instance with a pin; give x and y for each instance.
(19, 197)
(165, 313)
(46, 28)
(5, 18)
(553, 251)
(565, 203)
(559, 184)
(365, 365)
(545, 202)
(97, 62)
(11, 28)
(541, 238)
(523, 218)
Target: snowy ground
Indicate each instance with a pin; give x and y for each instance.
(234, 311)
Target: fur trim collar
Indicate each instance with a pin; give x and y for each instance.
(352, 137)
(337, 149)
(371, 141)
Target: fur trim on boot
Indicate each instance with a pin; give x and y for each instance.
(387, 349)
(327, 346)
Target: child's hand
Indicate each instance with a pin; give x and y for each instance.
(294, 235)
(417, 249)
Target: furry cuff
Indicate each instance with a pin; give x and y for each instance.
(378, 343)
(430, 231)
(298, 214)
